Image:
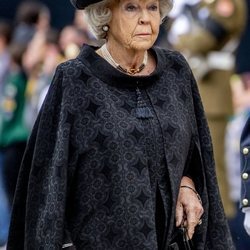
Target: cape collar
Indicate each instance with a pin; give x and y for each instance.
(107, 73)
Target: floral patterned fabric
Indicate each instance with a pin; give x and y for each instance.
(108, 177)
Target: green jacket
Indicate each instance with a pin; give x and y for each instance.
(12, 100)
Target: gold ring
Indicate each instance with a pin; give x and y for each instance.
(200, 222)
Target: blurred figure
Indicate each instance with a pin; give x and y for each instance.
(245, 169)
(243, 52)
(5, 37)
(164, 38)
(232, 156)
(71, 39)
(243, 70)
(81, 23)
(31, 16)
(34, 54)
(13, 133)
(206, 31)
(41, 73)
(73, 36)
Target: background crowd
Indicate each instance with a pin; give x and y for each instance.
(214, 37)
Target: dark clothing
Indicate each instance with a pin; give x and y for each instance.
(245, 165)
(11, 163)
(243, 51)
(240, 238)
(96, 166)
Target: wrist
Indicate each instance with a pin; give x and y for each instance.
(193, 190)
(187, 181)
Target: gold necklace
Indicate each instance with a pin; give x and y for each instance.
(106, 55)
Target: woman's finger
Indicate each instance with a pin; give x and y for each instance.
(192, 222)
(179, 214)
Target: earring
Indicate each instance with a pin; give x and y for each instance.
(105, 28)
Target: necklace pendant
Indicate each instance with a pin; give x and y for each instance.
(133, 71)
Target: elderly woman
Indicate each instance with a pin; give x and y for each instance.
(120, 149)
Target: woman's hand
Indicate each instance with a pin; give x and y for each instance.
(188, 208)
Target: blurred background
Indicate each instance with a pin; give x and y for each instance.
(214, 37)
(62, 12)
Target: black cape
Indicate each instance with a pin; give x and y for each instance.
(86, 166)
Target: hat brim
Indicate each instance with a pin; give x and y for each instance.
(81, 4)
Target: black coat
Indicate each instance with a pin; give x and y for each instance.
(96, 160)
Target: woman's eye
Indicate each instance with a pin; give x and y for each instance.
(131, 7)
(153, 7)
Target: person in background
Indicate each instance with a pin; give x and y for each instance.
(245, 170)
(207, 32)
(243, 70)
(31, 17)
(5, 37)
(13, 133)
(243, 52)
(41, 72)
(70, 41)
(120, 154)
(81, 24)
(232, 156)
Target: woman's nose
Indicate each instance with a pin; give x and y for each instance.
(144, 18)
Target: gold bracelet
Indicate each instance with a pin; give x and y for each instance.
(198, 196)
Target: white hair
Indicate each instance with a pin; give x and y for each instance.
(99, 15)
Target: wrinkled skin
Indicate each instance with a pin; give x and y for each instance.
(134, 28)
(188, 208)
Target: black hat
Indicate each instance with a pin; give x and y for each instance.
(81, 4)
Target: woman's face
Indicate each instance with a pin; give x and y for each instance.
(135, 23)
